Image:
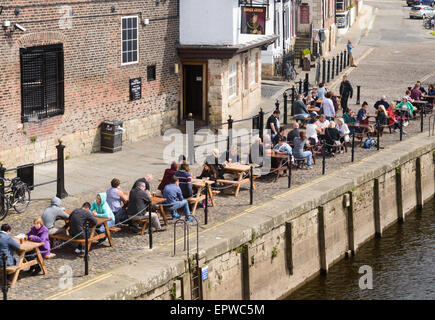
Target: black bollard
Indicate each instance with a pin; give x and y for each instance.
(292, 113)
(378, 125)
(358, 94)
(284, 96)
(2, 187)
(306, 82)
(150, 229)
(341, 61)
(289, 168)
(421, 118)
(401, 125)
(300, 86)
(230, 134)
(5, 278)
(61, 193)
(251, 189)
(333, 68)
(329, 70)
(337, 67)
(261, 122)
(323, 70)
(206, 204)
(353, 144)
(323, 159)
(86, 257)
(348, 58)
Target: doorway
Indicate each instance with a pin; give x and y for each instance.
(194, 90)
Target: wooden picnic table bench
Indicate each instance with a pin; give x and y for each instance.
(155, 200)
(239, 170)
(25, 247)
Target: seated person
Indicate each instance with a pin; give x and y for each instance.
(139, 198)
(38, 233)
(116, 198)
(416, 93)
(214, 161)
(308, 99)
(362, 118)
(77, 219)
(322, 124)
(328, 106)
(230, 156)
(147, 179)
(408, 95)
(406, 105)
(343, 129)
(283, 148)
(293, 133)
(174, 200)
(431, 91)
(349, 118)
(281, 133)
(382, 116)
(314, 94)
(383, 102)
(185, 180)
(51, 213)
(321, 91)
(101, 209)
(298, 149)
(7, 246)
(300, 110)
(332, 136)
(311, 132)
(208, 172)
(168, 175)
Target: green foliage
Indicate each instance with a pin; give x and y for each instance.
(239, 250)
(275, 252)
(252, 260)
(173, 294)
(253, 238)
(358, 197)
(398, 170)
(306, 52)
(33, 139)
(349, 6)
(210, 284)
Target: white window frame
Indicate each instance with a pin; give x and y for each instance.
(253, 70)
(137, 61)
(232, 76)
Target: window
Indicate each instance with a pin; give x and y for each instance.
(42, 89)
(232, 75)
(130, 51)
(151, 73)
(340, 4)
(253, 70)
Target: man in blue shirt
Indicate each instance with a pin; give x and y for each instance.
(349, 50)
(321, 91)
(283, 147)
(174, 199)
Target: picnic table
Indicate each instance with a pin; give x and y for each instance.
(199, 184)
(155, 200)
(26, 247)
(281, 158)
(240, 171)
(93, 237)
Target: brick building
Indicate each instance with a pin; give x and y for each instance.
(71, 69)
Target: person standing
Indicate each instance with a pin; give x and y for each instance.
(346, 91)
(349, 50)
(328, 107)
(273, 123)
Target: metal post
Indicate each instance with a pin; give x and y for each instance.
(230, 134)
(341, 61)
(300, 86)
(306, 84)
(333, 68)
(348, 59)
(190, 130)
(86, 258)
(329, 70)
(150, 229)
(2, 186)
(289, 168)
(338, 58)
(251, 189)
(206, 204)
(261, 122)
(292, 101)
(324, 159)
(378, 134)
(358, 94)
(353, 144)
(421, 118)
(284, 96)
(5, 278)
(61, 193)
(323, 70)
(401, 125)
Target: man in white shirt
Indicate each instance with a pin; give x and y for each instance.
(322, 124)
(328, 107)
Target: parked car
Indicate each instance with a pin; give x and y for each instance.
(421, 12)
(411, 3)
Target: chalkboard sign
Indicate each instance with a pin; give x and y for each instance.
(135, 88)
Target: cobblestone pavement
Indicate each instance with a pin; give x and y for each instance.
(386, 69)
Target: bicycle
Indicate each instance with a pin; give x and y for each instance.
(427, 22)
(290, 72)
(16, 195)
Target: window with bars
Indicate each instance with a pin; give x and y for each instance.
(130, 50)
(232, 74)
(42, 86)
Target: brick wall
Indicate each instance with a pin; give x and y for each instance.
(96, 85)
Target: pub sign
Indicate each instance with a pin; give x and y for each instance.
(253, 20)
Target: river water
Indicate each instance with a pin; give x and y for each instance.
(402, 262)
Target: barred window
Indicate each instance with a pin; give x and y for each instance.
(232, 74)
(42, 86)
(130, 51)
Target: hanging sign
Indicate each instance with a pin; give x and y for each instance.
(253, 20)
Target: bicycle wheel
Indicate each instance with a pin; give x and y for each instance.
(21, 198)
(5, 208)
